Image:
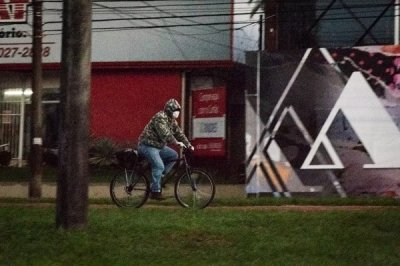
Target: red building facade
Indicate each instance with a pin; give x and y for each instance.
(136, 67)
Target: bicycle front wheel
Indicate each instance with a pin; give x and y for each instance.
(195, 191)
(129, 189)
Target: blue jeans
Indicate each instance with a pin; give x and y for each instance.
(161, 161)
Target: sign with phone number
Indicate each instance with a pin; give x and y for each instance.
(16, 45)
(18, 51)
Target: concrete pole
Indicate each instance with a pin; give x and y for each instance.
(36, 153)
(73, 178)
(396, 22)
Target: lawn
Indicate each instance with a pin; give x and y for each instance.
(214, 236)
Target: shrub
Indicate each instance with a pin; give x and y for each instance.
(102, 152)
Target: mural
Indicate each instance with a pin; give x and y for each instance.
(324, 121)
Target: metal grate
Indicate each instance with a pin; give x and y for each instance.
(10, 118)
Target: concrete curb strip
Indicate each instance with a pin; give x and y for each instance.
(101, 190)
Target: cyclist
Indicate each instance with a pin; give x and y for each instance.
(161, 130)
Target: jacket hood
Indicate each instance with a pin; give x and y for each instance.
(170, 106)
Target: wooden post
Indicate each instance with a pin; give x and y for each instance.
(73, 179)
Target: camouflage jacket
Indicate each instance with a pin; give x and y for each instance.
(162, 130)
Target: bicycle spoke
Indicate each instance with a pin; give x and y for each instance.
(196, 191)
(129, 189)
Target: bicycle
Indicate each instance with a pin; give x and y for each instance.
(194, 188)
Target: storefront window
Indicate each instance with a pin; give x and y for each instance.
(15, 119)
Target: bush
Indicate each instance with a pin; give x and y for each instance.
(102, 152)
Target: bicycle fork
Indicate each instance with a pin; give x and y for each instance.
(188, 171)
(128, 182)
(189, 174)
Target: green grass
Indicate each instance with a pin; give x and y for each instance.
(165, 236)
(238, 201)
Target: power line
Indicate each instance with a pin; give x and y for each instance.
(158, 17)
(164, 26)
(116, 9)
(219, 14)
(196, 23)
(326, 18)
(154, 26)
(185, 7)
(286, 9)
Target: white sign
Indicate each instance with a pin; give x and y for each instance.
(213, 127)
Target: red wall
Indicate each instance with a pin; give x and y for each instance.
(123, 102)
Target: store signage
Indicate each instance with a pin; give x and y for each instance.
(16, 34)
(14, 11)
(209, 125)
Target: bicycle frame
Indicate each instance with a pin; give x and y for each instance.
(189, 173)
(128, 180)
(177, 168)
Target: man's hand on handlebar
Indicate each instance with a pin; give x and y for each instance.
(182, 145)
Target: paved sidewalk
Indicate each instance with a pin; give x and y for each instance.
(20, 190)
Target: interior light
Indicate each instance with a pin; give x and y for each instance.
(28, 92)
(17, 92)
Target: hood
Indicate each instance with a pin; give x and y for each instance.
(170, 106)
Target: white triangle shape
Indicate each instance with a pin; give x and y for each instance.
(370, 122)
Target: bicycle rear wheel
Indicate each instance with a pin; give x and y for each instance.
(197, 196)
(129, 189)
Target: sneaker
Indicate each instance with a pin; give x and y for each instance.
(156, 196)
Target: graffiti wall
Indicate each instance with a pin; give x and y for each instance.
(324, 121)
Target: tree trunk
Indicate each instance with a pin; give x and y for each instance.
(73, 180)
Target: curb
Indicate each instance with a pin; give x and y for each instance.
(101, 190)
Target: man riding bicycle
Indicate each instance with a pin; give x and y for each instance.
(162, 129)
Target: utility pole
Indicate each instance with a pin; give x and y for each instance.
(396, 22)
(36, 153)
(271, 26)
(73, 179)
(261, 34)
